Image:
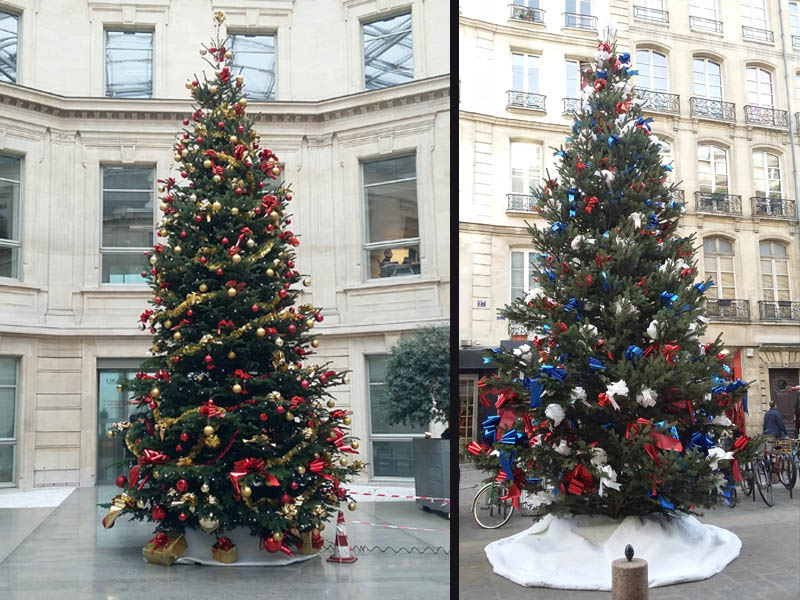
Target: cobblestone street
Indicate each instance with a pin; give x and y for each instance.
(767, 567)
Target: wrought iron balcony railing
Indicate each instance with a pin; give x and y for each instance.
(713, 202)
(754, 33)
(765, 116)
(708, 108)
(661, 102)
(650, 14)
(796, 41)
(728, 309)
(571, 104)
(524, 13)
(703, 24)
(776, 208)
(580, 21)
(521, 202)
(779, 310)
(526, 100)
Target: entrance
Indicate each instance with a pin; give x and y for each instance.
(780, 380)
(112, 406)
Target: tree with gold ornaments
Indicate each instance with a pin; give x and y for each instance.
(235, 426)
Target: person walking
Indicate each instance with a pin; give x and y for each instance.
(773, 427)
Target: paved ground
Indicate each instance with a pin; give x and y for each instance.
(65, 553)
(767, 568)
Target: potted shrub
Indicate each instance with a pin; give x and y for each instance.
(418, 393)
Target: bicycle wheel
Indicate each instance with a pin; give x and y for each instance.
(787, 471)
(764, 483)
(746, 484)
(488, 509)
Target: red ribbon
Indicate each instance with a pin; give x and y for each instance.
(669, 351)
(506, 421)
(250, 465)
(579, 480)
(209, 409)
(159, 541)
(590, 204)
(514, 493)
(223, 543)
(232, 284)
(224, 323)
(677, 405)
(153, 457)
(475, 448)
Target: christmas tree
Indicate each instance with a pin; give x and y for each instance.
(233, 427)
(616, 407)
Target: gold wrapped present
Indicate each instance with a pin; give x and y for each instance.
(224, 551)
(306, 545)
(164, 549)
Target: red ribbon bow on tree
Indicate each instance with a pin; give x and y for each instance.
(579, 480)
(210, 409)
(153, 457)
(246, 466)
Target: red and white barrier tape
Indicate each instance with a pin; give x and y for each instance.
(382, 495)
(387, 526)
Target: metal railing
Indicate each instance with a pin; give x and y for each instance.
(526, 100)
(713, 202)
(707, 108)
(650, 14)
(754, 33)
(703, 24)
(524, 13)
(661, 102)
(728, 309)
(580, 21)
(777, 208)
(517, 329)
(571, 104)
(521, 202)
(779, 310)
(765, 116)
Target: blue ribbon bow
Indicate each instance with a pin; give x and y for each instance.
(596, 364)
(535, 389)
(554, 372)
(633, 353)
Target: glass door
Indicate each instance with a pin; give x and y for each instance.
(112, 405)
(8, 418)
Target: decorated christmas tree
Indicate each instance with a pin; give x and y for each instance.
(616, 406)
(235, 426)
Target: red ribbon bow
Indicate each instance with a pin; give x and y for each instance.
(579, 480)
(159, 541)
(250, 465)
(475, 448)
(223, 543)
(209, 409)
(591, 203)
(153, 457)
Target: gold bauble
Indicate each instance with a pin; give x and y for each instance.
(207, 163)
(354, 444)
(270, 273)
(276, 171)
(156, 474)
(213, 89)
(315, 343)
(310, 323)
(140, 503)
(234, 211)
(278, 342)
(208, 430)
(208, 524)
(167, 324)
(261, 332)
(242, 101)
(277, 537)
(343, 461)
(203, 288)
(246, 492)
(233, 139)
(110, 433)
(240, 79)
(237, 389)
(347, 421)
(216, 206)
(231, 292)
(251, 243)
(163, 233)
(177, 157)
(301, 470)
(307, 281)
(153, 260)
(289, 416)
(357, 464)
(119, 387)
(176, 336)
(184, 153)
(204, 488)
(331, 403)
(155, 392)
(236, 258)
(351, 505)
(177, 249)
(229, 54)
(161, 188)
(156, 348)
(231, 355)
(274, 216)
(217, 178)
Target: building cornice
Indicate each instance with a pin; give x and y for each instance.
(487, 228)
(572, 37)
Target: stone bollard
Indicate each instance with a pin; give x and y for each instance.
(629, 577)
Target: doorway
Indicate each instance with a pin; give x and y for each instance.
(112, 405)
(780, 382)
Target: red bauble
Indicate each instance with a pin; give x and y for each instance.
(254, 308)
(319, 317)
(183, 234)
(282, 293)
(272, 545)
(186, 121)
(184, 436)
(287, 499)
(184, 174)
(294, 485)
(304, 384)
(221, 124)
(224, 241)
(280, 410)
(199, 140)
(292, 328)
(182, 485)
(178, 448)
(158, 513)
(208, 358)
(182, 516)
(323, 379)
(122, 481)
(288, 221)
(157, 299)
(262, 416)
(241, 128)
(239, 191)
(175, 360)
(152, 405)
(198, 218)
(219, 271)
(272, 330)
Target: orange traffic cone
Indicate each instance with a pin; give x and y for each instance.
(341, 551)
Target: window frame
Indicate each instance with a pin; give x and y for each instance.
(671, 156)
(712, 169)
(700, 9)
(758, 70)
(370, 19)
(765, 166)
(125, 29)
(773, 271)
(717, 255)
(274, 34)
(11, 243)
(525, 72)
(706, 84)
(527, 253)
(12, 13)
(526, 171)
(650, 65)
(747, 9)
(794, 28)
(123, 249)
(13, 441)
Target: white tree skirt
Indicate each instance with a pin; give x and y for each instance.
(576, 552)
(198, 551)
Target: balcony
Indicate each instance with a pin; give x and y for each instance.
(660, 102)
(712, 202)
(764, 116)
(775, 208)
(779, 310)
(716, 110)
(759, 35)
(523, 13)
(728, 310)
(521, 203)
(703, 25)
(571, 104)
(526, 100)
(579, 21)
(650, 14)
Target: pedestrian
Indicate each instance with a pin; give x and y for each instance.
(773, 427)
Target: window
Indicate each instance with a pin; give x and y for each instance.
(9, 32)
(579, 7)
(129, 64)
(712, 163)
(754, 14)
(759, 87)
(651, 4)
(388, 52)
(667, 159)
(128, 222)
(774, 271)
(718, 264)
(523, 272)
(705, 9)
(8, 419)
(574, 77)
(392, 454)
(524, 73)
(392, 232)
(652, 68)
(254, 59)
(10, 174)
(526, 167)
(113, 406)
(767, 175)
(707, 79)
(467, 402)
(794, 23)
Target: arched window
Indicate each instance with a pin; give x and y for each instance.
(712, 166)
(767, 175)
(759, 87)
(718, 264)
(707, 78)
(652, 67)
(774, 271)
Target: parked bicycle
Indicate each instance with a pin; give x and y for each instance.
(491, 507)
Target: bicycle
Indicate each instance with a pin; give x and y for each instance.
(784, 464)
(491, 508)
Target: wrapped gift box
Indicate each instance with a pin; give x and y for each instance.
(164, 549)
(225, 551)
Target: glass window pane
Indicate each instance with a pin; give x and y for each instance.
(391, 206)
(7, 463)
(781, 267)
(129, 64)
(766, 266)
(7, 412)
(709, 245)
(378, 404)
(778, 249)
(9, 32)
(123, 267)
(9, 261)
(8, 370)
(517, 260)
(390, 169)
(9, 210)
(394, 262)
(392, 459)
(254, 59)
(388, 52)
(725, 246)
(127, 207)
(10, 168)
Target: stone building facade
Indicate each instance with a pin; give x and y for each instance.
(91, 98)
(724, 91)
